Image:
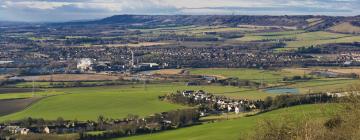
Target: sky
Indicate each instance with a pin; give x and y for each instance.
(72, 10)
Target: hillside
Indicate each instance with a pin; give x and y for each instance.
(308, 22)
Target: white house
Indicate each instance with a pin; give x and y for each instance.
(237, 110)
(47, 130)
(84, 64)
(24, 131)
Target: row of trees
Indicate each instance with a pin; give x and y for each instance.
(111, 128)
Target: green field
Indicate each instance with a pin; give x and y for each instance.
(255, 75)
(237, 128)
(307, 43)
(326, 85)
(301, 38)
(117, 101)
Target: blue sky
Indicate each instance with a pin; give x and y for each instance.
(67, 10)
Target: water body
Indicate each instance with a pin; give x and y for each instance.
(282, 90)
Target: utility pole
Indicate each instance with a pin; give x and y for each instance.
(33, 81)
(33, 87)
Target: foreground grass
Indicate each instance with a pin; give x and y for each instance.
(237, 128)
(116, 101)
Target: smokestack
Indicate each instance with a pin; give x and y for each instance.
(132, 59)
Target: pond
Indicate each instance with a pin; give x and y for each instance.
(282, 90)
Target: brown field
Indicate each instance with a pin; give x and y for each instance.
(169, 71)
(71, 77)
(14, 105)
(298, 71)
(345, 27)
(3, 77)
(345, 70)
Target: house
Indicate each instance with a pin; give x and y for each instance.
(85, 64)
(237, 110)
(24, 131)
(187, 92)
(47, 130)
(12, 129)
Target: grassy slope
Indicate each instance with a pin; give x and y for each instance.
(235, 129)
(115, 102)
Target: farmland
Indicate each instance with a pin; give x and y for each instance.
(9, 106)
(255, 75)
(237, 128)
(117, 101)
(326, 85)
(301, 39)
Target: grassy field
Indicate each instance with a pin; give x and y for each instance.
(117, 101)
(237, 128)
(306, 43)
(272, 77)
(301, 38)
(297, 35)
(326, 85)
(255, 75)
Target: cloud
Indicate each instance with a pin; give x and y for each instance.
(64, 10)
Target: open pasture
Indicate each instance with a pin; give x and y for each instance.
(117, 101)
(255, 75)
(307, 43)
(296, 35)
(296, 39)
(326, 85)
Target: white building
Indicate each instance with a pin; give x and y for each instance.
(85, 64)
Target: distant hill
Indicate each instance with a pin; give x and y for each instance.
(307, 22)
